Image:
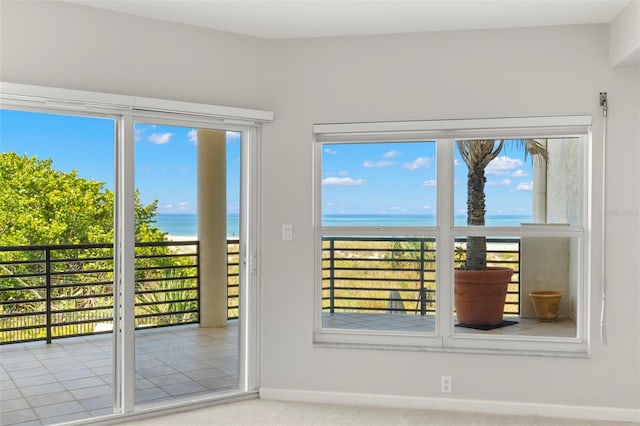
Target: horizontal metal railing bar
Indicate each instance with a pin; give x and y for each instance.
(79, 285)
(168, 302)
(83, 272)
(81, 296)
(23, 275)
(344, 268)
(358, 309)
(164, 290)
(78, 322)
(402, 290)
(57, 247)
(380, 299)
(22, 262)
(164, 267)
(381, 239)
(167, 314)
(89, 309)
(167, 243)
(81, 259)
(147, 280)
(373, 279)
(158, 256)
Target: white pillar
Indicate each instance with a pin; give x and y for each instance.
(539, 207)
(212, 226)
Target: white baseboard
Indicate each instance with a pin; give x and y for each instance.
(450, 404)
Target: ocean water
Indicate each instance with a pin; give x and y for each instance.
(186, 225)
(414, 220)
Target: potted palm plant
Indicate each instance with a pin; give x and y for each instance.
(480, 292)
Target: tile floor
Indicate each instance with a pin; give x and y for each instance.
(426, 324)
(71, 379)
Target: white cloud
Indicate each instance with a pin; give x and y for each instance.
(184, 205)
(457, 162)
(138, 133)
(525, 186)
(418, 163)
(503, 182)
(330, 151)
(193, 136)
(391, 154)
(502, 165)
(520, 173)
(430, 182)
(160, 138)
(378, 163)
(345, 181)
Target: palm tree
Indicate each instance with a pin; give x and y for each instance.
(477, 154)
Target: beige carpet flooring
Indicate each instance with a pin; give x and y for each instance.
(263, 412)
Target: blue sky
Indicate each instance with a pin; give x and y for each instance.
(165, 156)
(400, 178)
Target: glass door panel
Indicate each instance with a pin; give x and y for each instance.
(187, 262)
(56, 266)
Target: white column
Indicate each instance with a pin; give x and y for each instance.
(539, 207)
(212, 226)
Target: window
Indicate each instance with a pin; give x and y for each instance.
(407, 210)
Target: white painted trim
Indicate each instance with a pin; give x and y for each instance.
(22, 94)
(518, 127)
(586, 412)
(125, 243)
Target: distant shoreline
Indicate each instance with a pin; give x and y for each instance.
(180, 238)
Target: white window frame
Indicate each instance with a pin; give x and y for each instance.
(126, 110)
(445, 132)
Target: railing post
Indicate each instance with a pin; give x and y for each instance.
(47, 268)
(331, 276)
(423, 293)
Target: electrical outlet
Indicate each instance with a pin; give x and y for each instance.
(445, 384)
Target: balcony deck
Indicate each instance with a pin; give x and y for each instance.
(426, 324)
(71, 378)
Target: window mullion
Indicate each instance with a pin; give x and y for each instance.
(444, 246)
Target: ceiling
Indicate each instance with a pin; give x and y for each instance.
(285, 19)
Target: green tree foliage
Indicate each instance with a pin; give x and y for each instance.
(41, 205)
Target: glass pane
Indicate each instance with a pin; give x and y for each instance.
(187, 268)
(56, 266)
(379, 283)
(379, 184)
(521, 186)
(490, 302)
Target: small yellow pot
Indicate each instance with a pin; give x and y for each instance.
(546, 304)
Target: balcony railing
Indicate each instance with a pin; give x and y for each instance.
(49, 292)
(398, 275)
(54, 291)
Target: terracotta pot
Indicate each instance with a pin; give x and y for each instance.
(546, 304)
(480, 295)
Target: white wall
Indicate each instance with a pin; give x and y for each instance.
(76, 47)
(549, 71)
